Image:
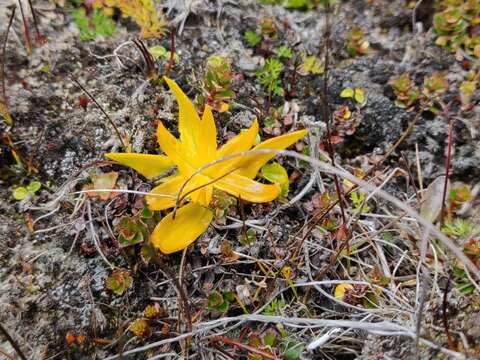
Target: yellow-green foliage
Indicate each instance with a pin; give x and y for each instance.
(143, 12)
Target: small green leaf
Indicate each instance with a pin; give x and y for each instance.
(360, 96)
(248, 238)
(347, 93)
(20, 193)
(269, 338)
(215, 299)
(293, 350)
(229, 296)
(119, 281)
(284, 52)
(276, 173)
(34, 186)
(252, 38)
(157, 51)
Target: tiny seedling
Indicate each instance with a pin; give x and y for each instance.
(311, 65)
(358, 199)
(217, 84)
(252, 38)
(159, 52)
(269, 76)
(22, 193)
(284, 51)
(119, 282)
(357, 94)
(357, 45)
(220, 301)
(406, 92)
(248, 237)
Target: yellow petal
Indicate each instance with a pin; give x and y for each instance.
(172, 235)
(188, 119)
(242, 142)
(148, 165)
(252, 163)
(208, 138)
(169, 188)
(248, 189)
(341, 289)
(173, 149)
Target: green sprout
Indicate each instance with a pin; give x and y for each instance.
(217, 84)
(406, 92)
(252, 38)
(450, 27)
(357, 45)
(458, 228)
(269, 76)
(21, 193)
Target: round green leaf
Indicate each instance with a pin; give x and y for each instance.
(360, 96)
(20, 193)
(34, 186)
(276, 173)
(347, 93)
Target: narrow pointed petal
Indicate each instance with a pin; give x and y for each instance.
(170, 189)
(242, 142)
(173, 148)
(208, 138)
(202, 196)
(188, 119)
(172, 235)
(252, 163)
(248, 189)
(148, 165)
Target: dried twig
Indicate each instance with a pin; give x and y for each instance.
(172, 52)
(448, 160)
(326, 110)
(26, 30)
(4, 54)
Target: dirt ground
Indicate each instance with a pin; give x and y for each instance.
(53, 296)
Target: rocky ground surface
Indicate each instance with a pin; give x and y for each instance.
(52, 279)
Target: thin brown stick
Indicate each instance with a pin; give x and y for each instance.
(13, 343)
(39, 37)
(110, 120)
(4, 54)
(26, 31)
(248, 348)
(447, 168)
(326, 109)
(410, 175)
(172, 52)
(451, 342)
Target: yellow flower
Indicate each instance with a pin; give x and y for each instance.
(196, 148)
